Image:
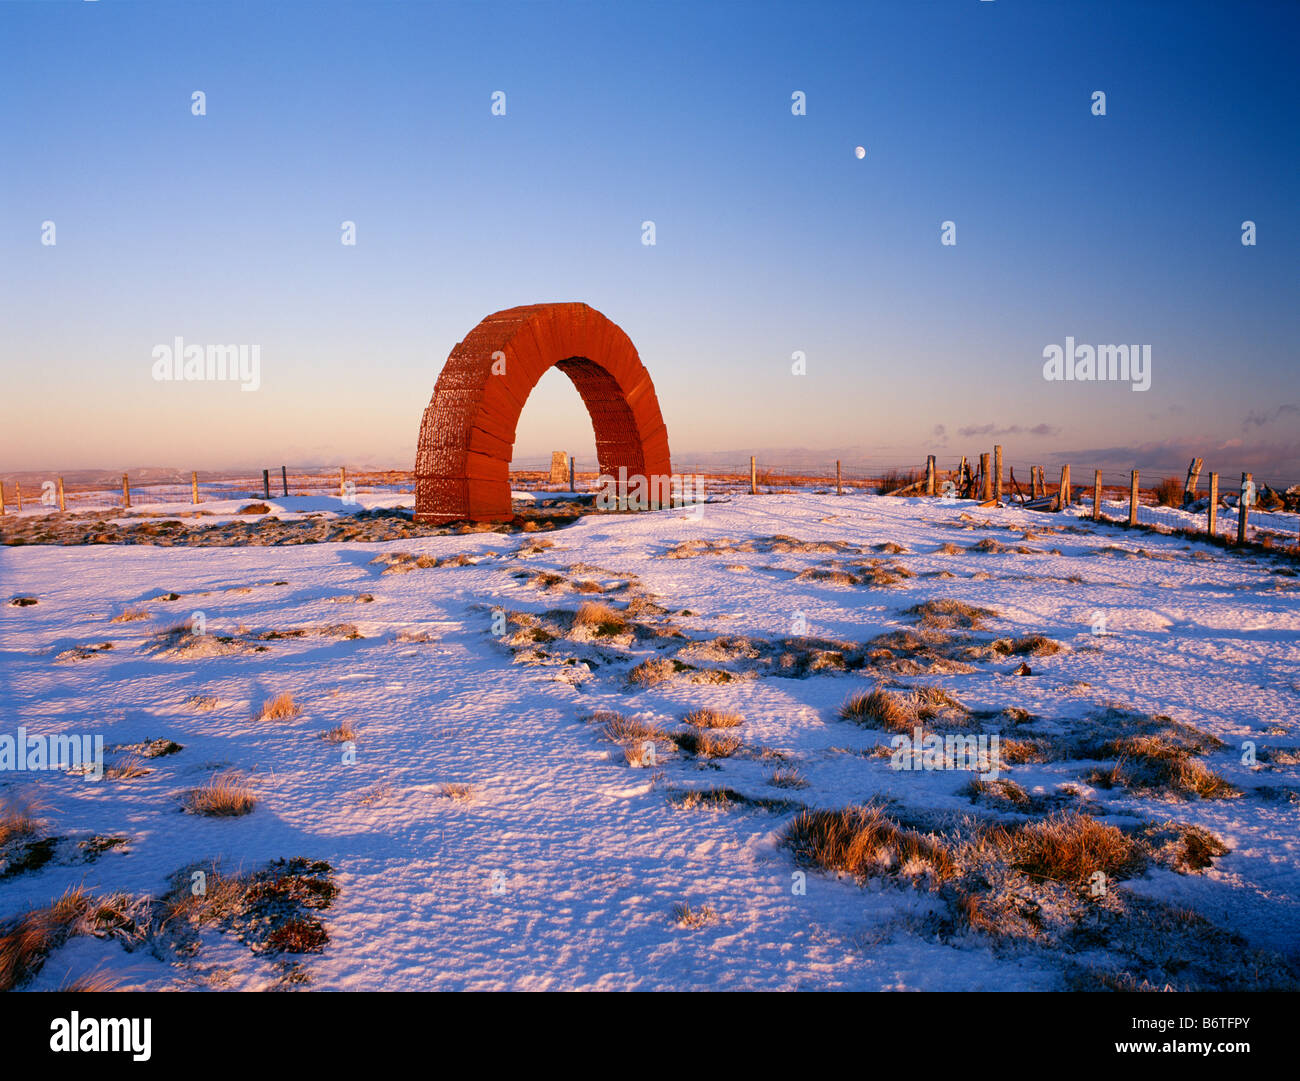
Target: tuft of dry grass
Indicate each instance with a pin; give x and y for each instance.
(203, 702)
(546, 580)
(787, 777)
(131, 615)
(947, 614)
(222, 896)
(29, 940)
(97, 982)
(1187, 849)
(863, 841)
(1037, 645)
(297, 936)
(1017, 752)
(128, 769)
(639, 605)
(990, 913)
(1067, 847)
(1157, 764)
(600, 618)
(884, 574)
(707, 799)
(1199, 850)
(705, 744)
(623, 729)
(1169, 492)
(722, 798)
(223, 796)
(20, 816)
(879, 708)
(377, 793)
(269, 909)
(641, 755)
(693, 918)
(826, 574)
(1003, 793)
(344, 733)
(712, 718)
(280, 708)
(652, 671)
(932, 702)
(456, 791)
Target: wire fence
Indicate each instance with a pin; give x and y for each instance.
(146, 490)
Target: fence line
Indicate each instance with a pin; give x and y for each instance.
(992, 481)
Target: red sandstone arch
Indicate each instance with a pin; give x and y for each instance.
(462, 464)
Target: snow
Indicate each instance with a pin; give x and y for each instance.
(563, 868)
(1281, 526)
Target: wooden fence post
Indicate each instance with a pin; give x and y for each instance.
(343, 481)
(1193, 479)
(1065, 486)
(997, 473)
(194, 486)
(962, 477)
(1243, 505)
(1133, 499)
(572, 482)
(839, 482)
(18, 491)
(986, 482)
(929, 475)
(284, 479)
(126, 491)
(1096, 496)
(1214, 503)
(62, 505)
(753, 476)
(2, 499)
(266, 484)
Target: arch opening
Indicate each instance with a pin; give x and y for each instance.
(467, 433)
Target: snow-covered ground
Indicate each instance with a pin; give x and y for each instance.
(214, 511)
(563, 867)
(1278, 525)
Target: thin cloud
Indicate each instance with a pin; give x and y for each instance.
(1258, 420)
(1014, 429)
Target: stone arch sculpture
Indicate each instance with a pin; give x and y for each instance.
(467, 434)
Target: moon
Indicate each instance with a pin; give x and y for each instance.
(859, 152)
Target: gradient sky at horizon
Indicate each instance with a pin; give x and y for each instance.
(772, 236)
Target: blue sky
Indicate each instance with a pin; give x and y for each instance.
(771, 235)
